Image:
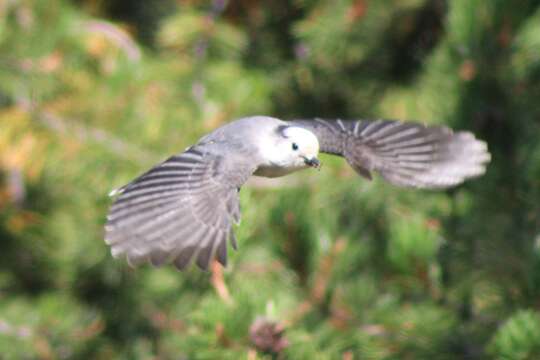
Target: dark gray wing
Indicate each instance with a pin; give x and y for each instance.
(404, 153)
(180, 210)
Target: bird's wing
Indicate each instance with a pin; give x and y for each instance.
(404, 153)
(180, 210)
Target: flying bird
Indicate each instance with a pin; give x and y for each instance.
(183, 209)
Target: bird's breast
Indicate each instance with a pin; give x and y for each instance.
(273, 171)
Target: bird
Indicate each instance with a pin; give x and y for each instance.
(183, 210)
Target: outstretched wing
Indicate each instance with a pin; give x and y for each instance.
(404, 153)
(180, 210)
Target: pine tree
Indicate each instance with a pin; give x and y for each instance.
(92, 93)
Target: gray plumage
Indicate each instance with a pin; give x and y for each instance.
(185, 207)
(405, 153)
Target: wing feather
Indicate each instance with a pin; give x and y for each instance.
(182, 209)
(221, 250)
(184, 258)
(405, 153)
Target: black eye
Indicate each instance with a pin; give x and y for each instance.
(294, 146)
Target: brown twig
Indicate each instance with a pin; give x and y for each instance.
(218, 282)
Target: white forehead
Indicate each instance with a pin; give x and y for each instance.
(301, 135)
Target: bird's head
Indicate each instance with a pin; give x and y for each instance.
(300, 147)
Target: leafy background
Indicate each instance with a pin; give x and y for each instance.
(330, 266)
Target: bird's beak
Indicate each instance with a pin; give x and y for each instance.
(313, 162)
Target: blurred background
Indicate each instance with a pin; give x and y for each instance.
(329, 266)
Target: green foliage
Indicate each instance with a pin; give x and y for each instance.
(412, 244)
(518, 337)
(92, 93)
(49, 326)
